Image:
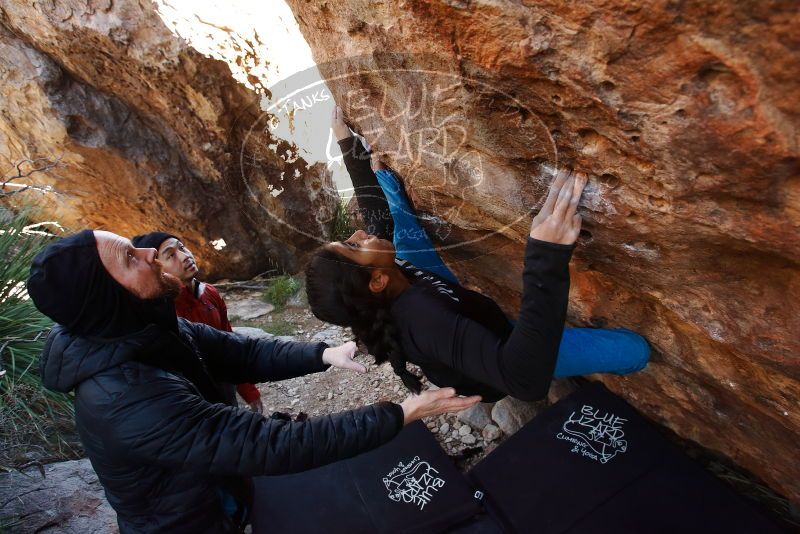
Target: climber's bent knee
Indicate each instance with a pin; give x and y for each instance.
(637, 352)
(586, 351)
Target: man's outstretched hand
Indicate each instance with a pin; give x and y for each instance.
(342, 357)
(435, 402)
(558, 220)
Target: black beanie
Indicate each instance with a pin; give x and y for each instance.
(151, 240)
(69, 284)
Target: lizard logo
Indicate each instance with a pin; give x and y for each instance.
(415, 482)
(595, 434)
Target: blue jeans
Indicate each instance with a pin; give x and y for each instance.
(582, 351)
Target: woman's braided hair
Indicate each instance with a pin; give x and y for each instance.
(338, 293)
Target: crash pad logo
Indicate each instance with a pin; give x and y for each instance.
(595, 434)
(415, 482)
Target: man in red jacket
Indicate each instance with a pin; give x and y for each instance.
(197, 301)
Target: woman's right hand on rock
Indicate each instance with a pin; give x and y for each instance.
(558, 220)
(435, 402)
(340, 128)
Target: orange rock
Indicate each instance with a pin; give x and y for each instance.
(685, 117)
(152, 135)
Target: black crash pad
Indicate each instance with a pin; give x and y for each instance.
(592, 464)
(589, 464)
(407, 485)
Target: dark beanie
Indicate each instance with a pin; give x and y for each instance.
(69, 284)
(151, 240)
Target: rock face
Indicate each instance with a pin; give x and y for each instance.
(249, 309)
(152, 135)
(68, 499)
(684, 115)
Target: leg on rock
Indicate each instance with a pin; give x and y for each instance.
(586, 351)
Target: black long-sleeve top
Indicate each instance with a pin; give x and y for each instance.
(462, 339)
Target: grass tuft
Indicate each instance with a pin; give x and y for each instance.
(281, 289)
(279, 327)
(33, 421)
(342, 225)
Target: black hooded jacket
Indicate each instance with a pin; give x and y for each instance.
(148, 405)
(160, 449)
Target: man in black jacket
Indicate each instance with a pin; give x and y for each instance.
(147, 404)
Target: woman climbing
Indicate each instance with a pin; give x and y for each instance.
(403, 303)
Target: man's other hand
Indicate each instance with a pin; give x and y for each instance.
(435, 402)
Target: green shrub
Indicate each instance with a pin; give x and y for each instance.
(279, 327)
(31, 417)
(342, 225)
(281, 289)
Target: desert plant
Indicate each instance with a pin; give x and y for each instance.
(280, 289)
(342, 224)
(31, 417)
(18, 180)
(279, 327)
